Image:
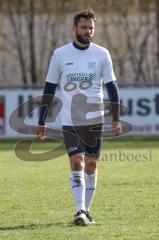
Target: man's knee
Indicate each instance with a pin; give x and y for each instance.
(90, 165)
(77, 162)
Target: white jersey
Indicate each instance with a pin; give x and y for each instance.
(80, 73)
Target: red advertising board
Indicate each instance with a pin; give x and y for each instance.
(2, 115)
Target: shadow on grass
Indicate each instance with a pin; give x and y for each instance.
(35, 226)
(40, 225)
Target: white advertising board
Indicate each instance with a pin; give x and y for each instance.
(143, 105)
(143, 114)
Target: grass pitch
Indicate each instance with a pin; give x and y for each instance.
(36, 201)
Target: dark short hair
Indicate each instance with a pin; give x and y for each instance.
(89, 13)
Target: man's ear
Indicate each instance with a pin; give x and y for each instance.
(74, 28)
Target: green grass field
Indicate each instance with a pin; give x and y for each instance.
(36, 201)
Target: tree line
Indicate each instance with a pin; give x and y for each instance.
(31, 30)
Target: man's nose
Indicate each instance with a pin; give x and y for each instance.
(88, 31)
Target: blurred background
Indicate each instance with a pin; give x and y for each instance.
(30, 30)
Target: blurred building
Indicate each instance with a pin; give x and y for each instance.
(31, 30)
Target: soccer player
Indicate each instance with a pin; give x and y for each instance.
(81, 68)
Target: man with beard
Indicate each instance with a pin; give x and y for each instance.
(81, 68)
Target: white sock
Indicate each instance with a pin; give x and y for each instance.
(78, 189)
(90, 181)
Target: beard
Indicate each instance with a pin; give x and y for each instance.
(83, 40)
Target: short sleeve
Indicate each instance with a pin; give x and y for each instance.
(108, 72)
(54, 71)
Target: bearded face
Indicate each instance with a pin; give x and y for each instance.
(84, 32)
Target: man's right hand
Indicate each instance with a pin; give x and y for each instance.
(41, 132)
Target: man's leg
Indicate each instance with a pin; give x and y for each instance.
(75, 149)
(91, 162)
(77, 180)
(90, 173)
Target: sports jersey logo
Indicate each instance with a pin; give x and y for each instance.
(69, 63)
(92, 65)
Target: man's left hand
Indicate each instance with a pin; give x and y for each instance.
(117, 128)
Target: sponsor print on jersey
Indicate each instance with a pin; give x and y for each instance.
(78, 77)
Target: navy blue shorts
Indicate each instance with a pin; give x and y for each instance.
(85, 139)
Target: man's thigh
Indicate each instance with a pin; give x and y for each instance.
(79, 139)
(73, 143)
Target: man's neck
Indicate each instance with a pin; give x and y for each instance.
(79, 45)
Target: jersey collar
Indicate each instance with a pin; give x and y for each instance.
(78, 47)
